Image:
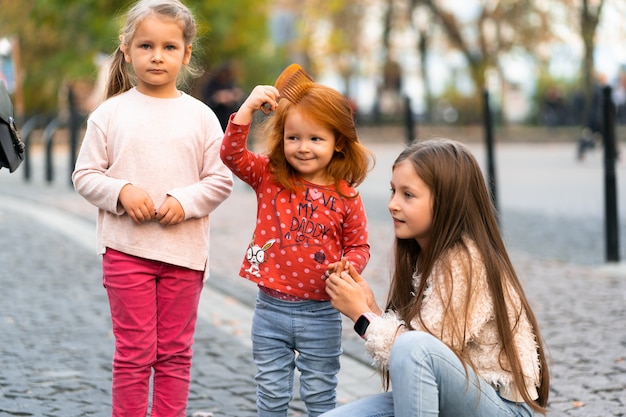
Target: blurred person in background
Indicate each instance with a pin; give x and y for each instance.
(222, 94)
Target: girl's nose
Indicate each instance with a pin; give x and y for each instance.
(157, 56)
(304, 146)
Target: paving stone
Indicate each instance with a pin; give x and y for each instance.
(55, 339)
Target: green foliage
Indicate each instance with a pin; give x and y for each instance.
(229, 30)
(468, 108)
(60, 39)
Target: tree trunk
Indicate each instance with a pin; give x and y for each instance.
(588, 23)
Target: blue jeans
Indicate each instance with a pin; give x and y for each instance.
(280, 329)
(429, 380)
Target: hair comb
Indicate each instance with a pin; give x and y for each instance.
(291, 84)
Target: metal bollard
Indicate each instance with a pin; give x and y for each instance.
(28, 127)
(75, 122)
(491, 171)
(610, 178)
(409, 120)
(48, 136)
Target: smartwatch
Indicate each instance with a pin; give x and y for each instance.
(363, 322)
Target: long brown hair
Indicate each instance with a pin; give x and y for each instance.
(326, 106)
(462, 208)
(120, 77)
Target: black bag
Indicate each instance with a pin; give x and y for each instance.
(11, 146)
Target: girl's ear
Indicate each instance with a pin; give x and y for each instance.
(187, 56)
(124, 49)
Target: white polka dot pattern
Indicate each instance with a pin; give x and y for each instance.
(297, 234)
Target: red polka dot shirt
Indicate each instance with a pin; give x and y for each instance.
(297, 234)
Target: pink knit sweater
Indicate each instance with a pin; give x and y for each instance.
(166, 147)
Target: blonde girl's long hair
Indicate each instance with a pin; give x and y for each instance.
(326, 106)
(121, 78)
(462, 207)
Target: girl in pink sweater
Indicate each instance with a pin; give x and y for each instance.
(150, 163)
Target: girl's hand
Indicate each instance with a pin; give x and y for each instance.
(170, 212)
(369, 294)
(137, 203)
(261, 95)
(337, 267)
(350, 293)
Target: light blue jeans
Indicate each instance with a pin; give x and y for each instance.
(289, 334)
(429, 380)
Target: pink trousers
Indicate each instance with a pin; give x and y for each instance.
(154, 307)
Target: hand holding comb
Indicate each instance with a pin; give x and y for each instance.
(291, 84)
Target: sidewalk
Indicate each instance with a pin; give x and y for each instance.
(55, 226)
(53, 309)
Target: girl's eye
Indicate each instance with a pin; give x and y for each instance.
(292, 138)
(170, 47)
(392, 191)
(408, 195)
(316, 139)
(144, 46)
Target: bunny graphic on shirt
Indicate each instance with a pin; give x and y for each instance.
(256, 256)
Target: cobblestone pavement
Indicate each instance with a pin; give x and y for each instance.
(55, 338)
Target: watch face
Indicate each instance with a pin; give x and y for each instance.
(361, 325)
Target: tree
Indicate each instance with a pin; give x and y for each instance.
(56, 47)
(486, 32)
(60, 39)
(236, 30)
(424, 34)
(344, 19)
(326, 35)
(498, 27)
(589, 15)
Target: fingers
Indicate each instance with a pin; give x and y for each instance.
(264, 97)
(169, 217)
(137, 203)
(344, 270)
(170, 212)
(336, 280)
(336, 286)
(346, 295)
(140, 207)
(337, 267)
(141, 214)
(354, 274)
(343, 265)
